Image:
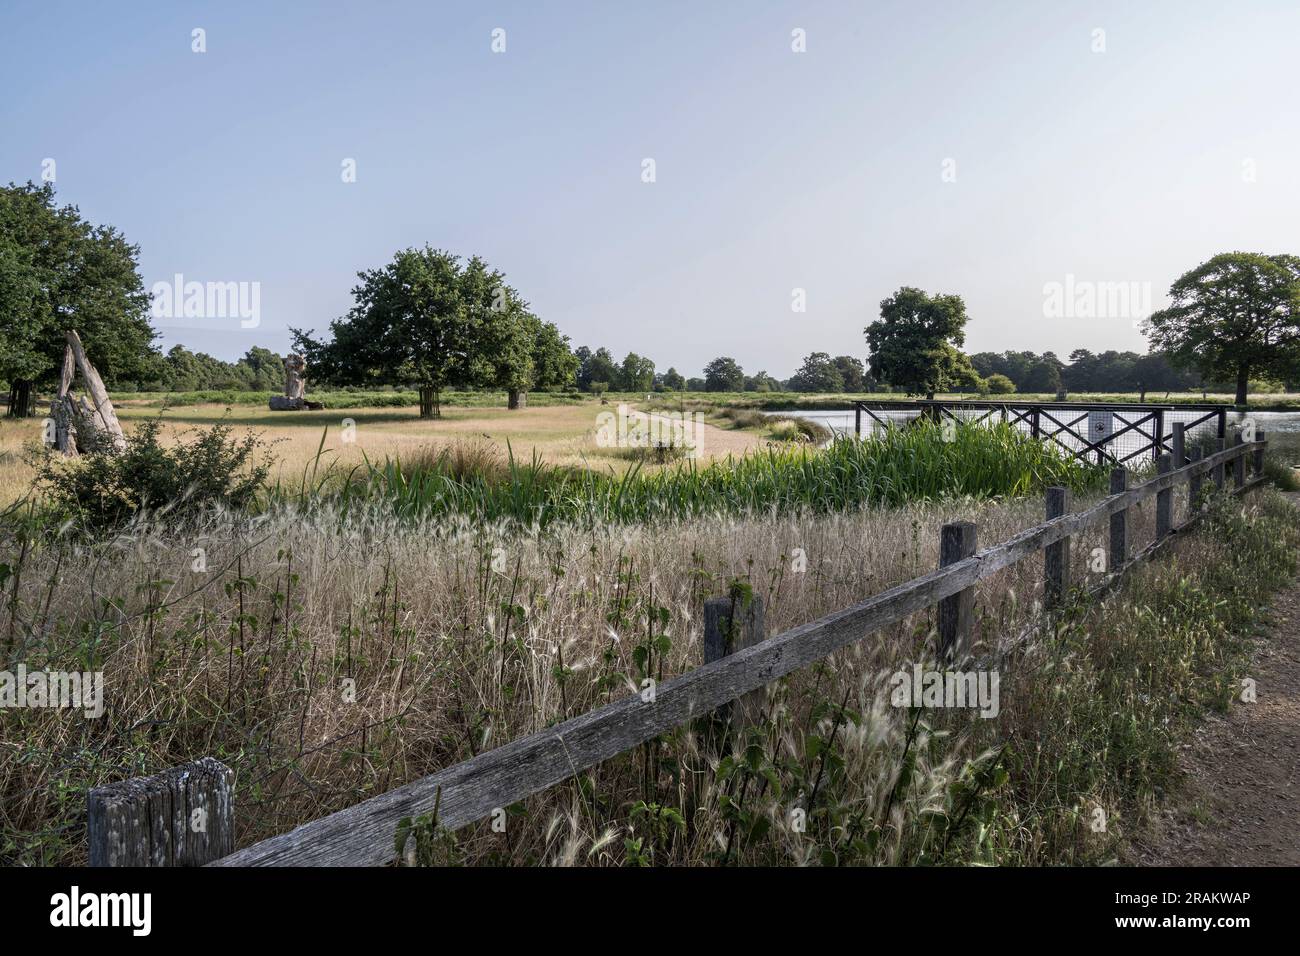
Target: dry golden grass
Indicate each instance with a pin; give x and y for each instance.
(417, 616)
(561, 435)
(414, 614)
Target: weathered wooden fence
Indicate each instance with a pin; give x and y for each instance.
(151, 821)
(1102, 432)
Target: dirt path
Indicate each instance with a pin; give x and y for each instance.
(1241, 802)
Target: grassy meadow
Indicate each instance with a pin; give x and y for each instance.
(457, 636)
(387, 607)
(562, 435)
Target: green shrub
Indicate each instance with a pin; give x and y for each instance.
(1280, 474)
(785, 429)
(744, 418)
(789, 428)
(999, 385)
(103, 490)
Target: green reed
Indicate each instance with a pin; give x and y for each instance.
(923, 461)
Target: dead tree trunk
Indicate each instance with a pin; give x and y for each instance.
(430, 402)
(20, 399)
(78, 425)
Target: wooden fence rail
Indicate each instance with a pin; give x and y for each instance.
(738, 663)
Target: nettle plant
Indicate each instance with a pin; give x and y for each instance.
(423, 841)
(657, 826)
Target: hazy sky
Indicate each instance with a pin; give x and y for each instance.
(774, 170)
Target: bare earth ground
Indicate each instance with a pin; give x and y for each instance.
(1241, 802)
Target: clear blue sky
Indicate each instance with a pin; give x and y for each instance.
(775, 170)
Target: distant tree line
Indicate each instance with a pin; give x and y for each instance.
(983, 372)
(1233, 321)
(262, 370)
(431, 320)
(434, 321)
(599, 371)
(180, 370)
(1086, 372)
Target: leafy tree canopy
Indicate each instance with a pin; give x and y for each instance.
(761, 382)
(597, 366)
(914, 344)
(1236, 315)
(819, 373)
(853, 373)
(637, 374)
(432, 320)
(724, 375)
(57, 272)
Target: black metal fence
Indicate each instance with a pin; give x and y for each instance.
(1098, 432)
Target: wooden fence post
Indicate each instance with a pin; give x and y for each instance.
(1118, 523)
(730, 624)
(1056, 557)
(1164, 500)
(1259, 453)
(180, 817)
(1218, 469)
(1179, 447)
(1194, 482)
(956, 542)
(1238, 463)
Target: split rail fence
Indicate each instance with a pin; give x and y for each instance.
(154, 821)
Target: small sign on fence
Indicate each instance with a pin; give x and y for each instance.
(1101, 427)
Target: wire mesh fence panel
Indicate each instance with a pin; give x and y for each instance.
(1123, 434)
